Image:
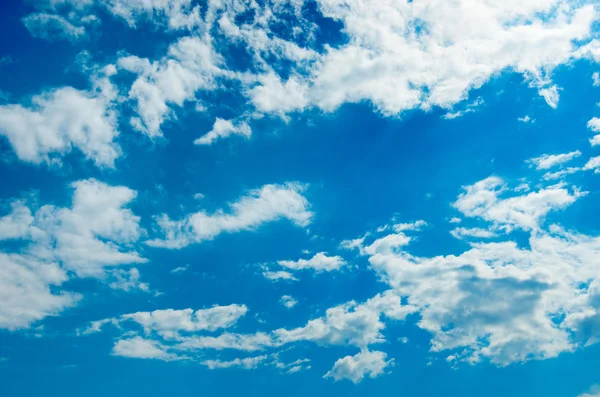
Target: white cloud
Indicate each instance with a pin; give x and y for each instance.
(178, 14)
(319, 262)
(498, 301)
(593, 164)
(85, 239)
(548, 176)
(242, 342)
(349, 324)
(28, 291)
(138, 347)
(223, 129)
(259, 206)
(245, 363)
(180, 269)
(526, 119)
(550, 95)
(288, 301)
(462, 233)
(278, 275)
(396, 56)
(169, 323)
(594, 392)
(482, 200)
(127, 280)
(548, 161)
(355, 368)
(190, 65)
(594, 125)
(62, 119)
(596, 79)
(455, 220)
(52, 27)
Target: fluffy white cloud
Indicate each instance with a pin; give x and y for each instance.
(404, 55)
(190, 65)
(593, 164)
(177, 14)
(355, 368)
(60, 120)
(463, 233)
(259, 206)
(594, 125)
(277, 275)
(497, 300)
(85, 239)
(349, 324)
(288, 301)
(127, 280)
(169, 323)
(319, 262)
(482, 200)
(138, 347)
(548, 161)
(396, 55)
(245, 363)
(28, 291)
(223, 129)
(52, 27)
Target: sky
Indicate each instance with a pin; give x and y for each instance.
(297, 197)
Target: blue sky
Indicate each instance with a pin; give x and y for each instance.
(331, 197)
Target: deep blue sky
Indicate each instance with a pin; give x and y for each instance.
(361, 166)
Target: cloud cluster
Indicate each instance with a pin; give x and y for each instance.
(499, 301)
(267, 204)
(89, 239)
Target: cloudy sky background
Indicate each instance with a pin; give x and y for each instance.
(300, 197)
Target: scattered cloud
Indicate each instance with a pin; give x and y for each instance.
(355, 368)
(548, 161)
(288, 301)
(259, 206)
(223, 129)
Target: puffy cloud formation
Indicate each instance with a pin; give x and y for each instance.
(395, 55)
(548, 161)
(223, 129)
(355, 368)
(499, 301)
(482, 200)
(259, 206)
(86, 240)
(170, 323)
(319, 262)
(62, 119)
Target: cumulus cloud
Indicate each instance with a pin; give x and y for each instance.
(288, 301)
(499, 301)
(169, 323)
(259, 206)
(62, 119)
(476, 232)
(85, 240)
(28, 291)
(245, 363)
(594, 125)
(52, 27)
(482, 200)
(223, 129)
(138, 347)
(319, 262)
(355, 368)
(548, 161)
(593, 164)
(190, 65)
